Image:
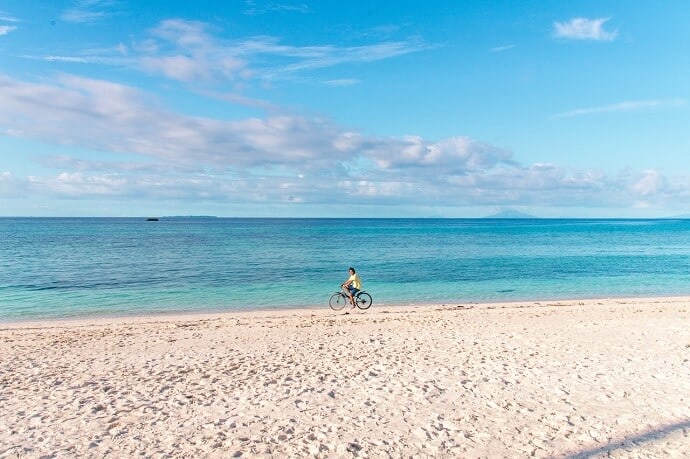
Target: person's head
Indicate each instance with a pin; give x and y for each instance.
(352, 270)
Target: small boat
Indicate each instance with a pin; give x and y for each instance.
(151, 219)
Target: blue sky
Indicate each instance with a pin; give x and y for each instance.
(325, 108)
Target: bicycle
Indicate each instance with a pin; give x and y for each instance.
(340, 299)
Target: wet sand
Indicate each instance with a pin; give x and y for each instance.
(587, 378)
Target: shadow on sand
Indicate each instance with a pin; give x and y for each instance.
(631, 442)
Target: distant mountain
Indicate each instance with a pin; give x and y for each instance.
(510, 213)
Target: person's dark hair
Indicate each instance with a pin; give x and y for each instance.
(353, 270)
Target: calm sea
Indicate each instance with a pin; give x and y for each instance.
(84, 267)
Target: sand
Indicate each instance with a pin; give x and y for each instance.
(594, 378)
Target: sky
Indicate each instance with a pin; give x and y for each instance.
(344, 109)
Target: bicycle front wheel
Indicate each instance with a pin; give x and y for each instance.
(337, 302)
(363, 300)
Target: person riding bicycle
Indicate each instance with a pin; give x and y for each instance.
(352, 285)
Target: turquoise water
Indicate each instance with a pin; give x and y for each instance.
(76, 267)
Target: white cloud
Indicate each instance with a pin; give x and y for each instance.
(258, 7)
(190, 50)
(78, 184)
(152, 153)
(186, 51)
(70, 59)
(185, 34)
(115, 55)
(500, 49)
(6, 17)
(181, 68)
(11, 186)
(342, 82)
(317, 57)
(4, 29)
(65, 162)
(456, 155)
(240, 99)
(648, 184)
(626, 106)
(584, 29)
(193, 52)
(81, 16)
(90, 10)
(117, 118)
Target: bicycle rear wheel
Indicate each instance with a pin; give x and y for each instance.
(363, 300)
(337, 302)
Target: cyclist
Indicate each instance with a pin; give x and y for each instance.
(352, 285)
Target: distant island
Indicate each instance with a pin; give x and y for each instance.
(190, 216)
(510, 213)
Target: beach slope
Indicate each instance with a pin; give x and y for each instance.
(549, 379)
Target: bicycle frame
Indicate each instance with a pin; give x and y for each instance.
(340, 299)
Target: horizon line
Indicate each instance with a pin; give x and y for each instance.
(201, 217)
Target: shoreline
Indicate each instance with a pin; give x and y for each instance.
(187, 315)
(577, 378)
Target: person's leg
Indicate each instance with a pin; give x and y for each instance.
(354, 292)
(350, 292)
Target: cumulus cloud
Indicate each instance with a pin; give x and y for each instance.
(650, 183)
(457, 155)
(584, 29)
(111, 117)
(186, 51)
(150, 152)
(182, 68)
(5, 177)
(651, 187)
(183, 33)
(11, 186)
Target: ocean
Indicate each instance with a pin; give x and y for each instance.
(91, 267)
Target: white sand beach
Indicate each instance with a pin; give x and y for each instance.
(591, 378)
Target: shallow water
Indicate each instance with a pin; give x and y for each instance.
(74, 267)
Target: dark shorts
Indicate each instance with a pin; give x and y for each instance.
(353, 291)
